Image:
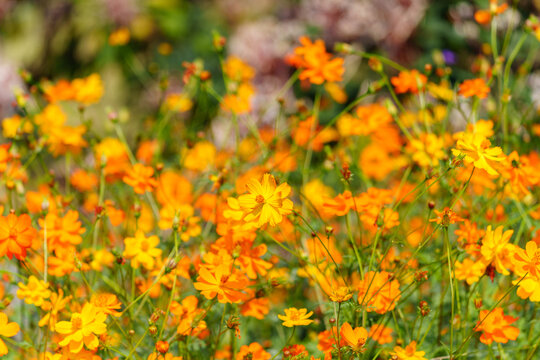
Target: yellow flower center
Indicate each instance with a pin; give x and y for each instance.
(145, 245)
(259, 199)
(294, 315)
(76, 321)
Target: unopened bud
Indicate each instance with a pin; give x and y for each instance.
(343, 48)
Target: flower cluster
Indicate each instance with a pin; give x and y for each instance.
(401, 222)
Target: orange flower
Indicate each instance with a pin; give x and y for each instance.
(112, 153)
(173, 189)
(62, 231)
(318, 65)
(377, 292)
(381, 334)
(225, 283)
(200, 157)
(189, 316)
(327, 340)
(446, 217)
(7, 329)
(162, 346)
(496, 326)
(5, 156)
(83, 180)
(256, 307)
(355, 338)
(309, 134)
(474, 87)
(147, 150)
(62, 90)
(106, 303)
(409, 353)
(469, 237)
(140, 178)
(409, 81)
(253, 351)
(520, 172)
(340, 205)
(483, 17)
(64, 139)
(16, 235)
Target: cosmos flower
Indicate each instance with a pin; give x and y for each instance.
(296, 317)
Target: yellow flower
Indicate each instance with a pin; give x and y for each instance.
(14, 125)
(56, 303)
(88, 90)
(527, 263)
(237, 70)
(341, 294)
(427, 150)
(294, 317)
(178, 102)
(240, 102)
(82, 329)
(495, 248)
(409, 353)
(528, 260)
(266, 202)
(35, 292)
(119, 37)
(65, 139)
(441, 91)
(142, 250)
(200, 157)
(469, 270)
(477, 150)
(51, 117)
(7, 329)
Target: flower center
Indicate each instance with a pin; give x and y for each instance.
(76, 321)
(13, 233)
(259, 199)
(145, 245)
(295, 316)
(536, 257)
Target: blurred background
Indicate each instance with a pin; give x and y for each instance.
(135, 44)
